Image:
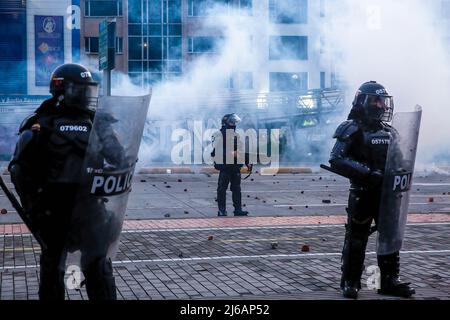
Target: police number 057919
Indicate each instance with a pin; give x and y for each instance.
(243, 309)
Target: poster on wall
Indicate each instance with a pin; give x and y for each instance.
(49, 46)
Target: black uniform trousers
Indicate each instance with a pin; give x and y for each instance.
(58, 228)
(363, 208)
(229, 176)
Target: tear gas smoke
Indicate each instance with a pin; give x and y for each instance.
(397, 43)
(400, 45)
(202, 93)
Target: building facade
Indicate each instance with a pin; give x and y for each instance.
(157, 40)
(13, 47)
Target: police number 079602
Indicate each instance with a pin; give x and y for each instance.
(73, 128)
(252, 309)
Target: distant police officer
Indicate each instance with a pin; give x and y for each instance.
(226, 160)
(46, 170)
(360, 154)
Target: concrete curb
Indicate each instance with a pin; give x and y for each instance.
(165, 170)
(211, 170)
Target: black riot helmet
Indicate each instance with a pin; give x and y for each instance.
(73, 84)
(230, 121)
(373, 102)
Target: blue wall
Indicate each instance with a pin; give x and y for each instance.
(13, 48)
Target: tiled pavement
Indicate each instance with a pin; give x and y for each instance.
(178, 259)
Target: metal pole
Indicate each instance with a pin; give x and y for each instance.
(107, 82)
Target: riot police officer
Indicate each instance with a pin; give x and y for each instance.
(229, 171)
(360, 154)
(46, 170)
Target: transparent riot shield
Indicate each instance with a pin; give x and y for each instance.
(397, 181)
(110, 159)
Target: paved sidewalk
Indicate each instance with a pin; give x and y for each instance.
(238, 258)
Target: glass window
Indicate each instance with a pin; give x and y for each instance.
(155, 65)
(103, 8)
(135, 66)
(288, 11)
(91, 44)
(246, 6)
(135, 48)
(154, 11)
(135, 29)
(202, 44)
(203, 7)
(155, 48)
(119, 45)
(174, 66)
(288, 81)
(175, 52)
(134, 11)
(175, 29)
(288, 48)
(322, 80)
(245, 80)
(335, 81)
(154, 29)
(174, 8)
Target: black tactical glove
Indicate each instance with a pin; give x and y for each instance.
(376, 178)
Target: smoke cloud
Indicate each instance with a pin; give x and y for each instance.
(203, 92)
(399, 44)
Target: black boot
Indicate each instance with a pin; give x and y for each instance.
(390, 283)
(240, 213)
(51, 286)
(353, 255)
(222, 213)
(100, 283)
(350, 288)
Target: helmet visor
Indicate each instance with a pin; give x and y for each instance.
(380, 107)
(81, 95)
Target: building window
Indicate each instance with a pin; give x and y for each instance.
(322, 80)
(119, 45)
(154, 42)
(335, 82)
(174, 48)
(288, 48)
(246, 6)
(288, 81)
(91, 44)
(174, 11)
(322, 45)
(134, 11)
(198, 8)
(245, 80)
(202, 44)
(100, 8)
(288, 11)
(135, 48)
